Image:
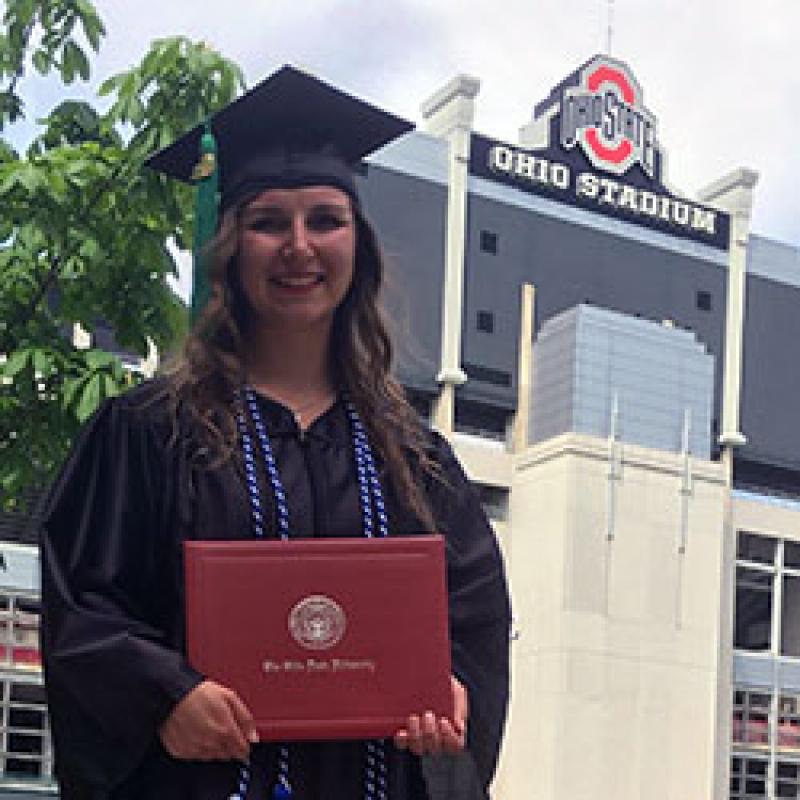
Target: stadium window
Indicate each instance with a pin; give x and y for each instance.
(486, 321)
(755, 581)
(788, 738)
(26, 735)
(477, 419)
(751, 716)
(758, 736)
(753, 620)
(704, 301)
(26, 754)
(791, 555)
(790, 615)
(767, 595)
(748, 777)
(754, 547)
(787, 779)
(489, 242)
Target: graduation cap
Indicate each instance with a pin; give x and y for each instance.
(291, 130)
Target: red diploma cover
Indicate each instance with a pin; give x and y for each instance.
(322, 638)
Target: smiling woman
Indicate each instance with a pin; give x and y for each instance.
(281, 420)
(295, 259)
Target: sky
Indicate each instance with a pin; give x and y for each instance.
(721, 76)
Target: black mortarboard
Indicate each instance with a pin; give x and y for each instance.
(290, 130)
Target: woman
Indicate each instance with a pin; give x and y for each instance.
(289, 360)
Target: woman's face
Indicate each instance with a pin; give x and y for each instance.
(296, 256)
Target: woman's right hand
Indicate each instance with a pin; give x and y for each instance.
(209, 723)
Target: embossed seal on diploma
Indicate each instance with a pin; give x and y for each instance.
(317, 622)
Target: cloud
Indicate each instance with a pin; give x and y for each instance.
(720, 75)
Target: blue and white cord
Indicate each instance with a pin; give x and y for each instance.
(372, 507)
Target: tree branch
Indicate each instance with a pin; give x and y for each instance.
(20, 70)
(23, 313)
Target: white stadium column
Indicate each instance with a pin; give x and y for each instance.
(449, 114)
(734, 193)
(521, 421)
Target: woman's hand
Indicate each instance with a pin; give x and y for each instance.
(427, 735)
(209, 723)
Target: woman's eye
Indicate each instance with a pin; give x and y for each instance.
(325, 221)
(268, 224)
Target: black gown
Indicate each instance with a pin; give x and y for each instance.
(112, 604)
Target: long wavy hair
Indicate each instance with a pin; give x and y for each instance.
(204, 381)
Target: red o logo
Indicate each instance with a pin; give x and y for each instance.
(607, 74)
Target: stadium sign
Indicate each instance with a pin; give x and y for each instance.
(594, 144)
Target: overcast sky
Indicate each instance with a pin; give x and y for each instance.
(721, 76)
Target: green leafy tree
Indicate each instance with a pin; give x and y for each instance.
(85, 227)
(42, 33)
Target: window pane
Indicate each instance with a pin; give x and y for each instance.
(750, 725)
(791, 554)
(789, 734)
(755, 783)
(756, 768)
(755, 788)
(489, 242)
(753, 621)
(26, 721)
(752, 547)
(486, 321)
(738, 729)
(5, 630)
(790, 618)
(787, 769)
(756, 730)
(704, 301)
(25, 605)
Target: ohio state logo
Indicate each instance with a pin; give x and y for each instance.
(606, 117)
(317, 622)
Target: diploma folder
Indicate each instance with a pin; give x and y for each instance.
(322, 638)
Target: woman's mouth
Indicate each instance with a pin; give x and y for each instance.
(305, 281)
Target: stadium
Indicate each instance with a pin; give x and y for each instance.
(614, 364)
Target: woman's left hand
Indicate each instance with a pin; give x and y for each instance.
(426, 734)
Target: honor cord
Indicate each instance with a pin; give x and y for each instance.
(372, 508)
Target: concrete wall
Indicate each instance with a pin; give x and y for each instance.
(616, 667)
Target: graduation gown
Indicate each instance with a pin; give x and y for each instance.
(112, 603)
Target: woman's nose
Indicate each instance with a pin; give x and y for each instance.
(299, 240)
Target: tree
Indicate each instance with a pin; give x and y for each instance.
(85, 227)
